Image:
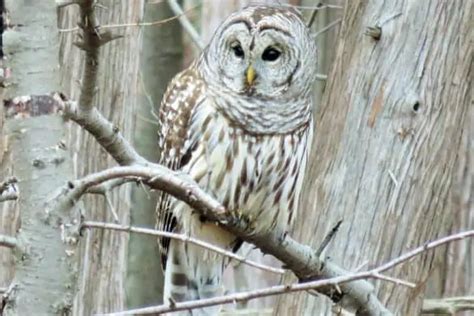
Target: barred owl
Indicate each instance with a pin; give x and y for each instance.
(239, 122)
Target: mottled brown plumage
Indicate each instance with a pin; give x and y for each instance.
(239, 122)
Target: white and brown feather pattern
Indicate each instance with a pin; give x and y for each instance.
(245, 145)
(182, 95)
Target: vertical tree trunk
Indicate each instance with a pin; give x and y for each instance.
(103, 254)
(42, 272)
(161, 58)
(388, 141)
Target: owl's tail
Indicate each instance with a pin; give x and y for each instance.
(191, 275)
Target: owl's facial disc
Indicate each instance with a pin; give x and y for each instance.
(264, 52)
(257, 60)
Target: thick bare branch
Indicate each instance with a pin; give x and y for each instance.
(283, 289)
(299, 258)
(182, 238)
(108, 186)
(106, 134)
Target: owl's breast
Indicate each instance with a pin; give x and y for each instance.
(259, 176)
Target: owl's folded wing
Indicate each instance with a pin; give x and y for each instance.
(176, 143)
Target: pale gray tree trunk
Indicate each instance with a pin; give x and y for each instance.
(161, 58)
(388, 145)
(102, 266)
(39, 267)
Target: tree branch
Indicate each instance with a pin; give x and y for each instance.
(186, 24)
(283, 289)
(299, 258)
(106, 134)
(448, 305)
(7, 241)
(327, 28)
(8, 190)
(140, 24)
(182, 238)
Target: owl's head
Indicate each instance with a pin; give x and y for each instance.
(263, 51)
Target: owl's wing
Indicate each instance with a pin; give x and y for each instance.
(176, 143)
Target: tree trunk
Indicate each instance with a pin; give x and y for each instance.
(42, 273)
(103, 253)
(161, 58)
(388, 142)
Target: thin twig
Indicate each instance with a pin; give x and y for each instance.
(108, 186)
(319, 6)
(316, 9)
(448, 305)
(111, 207)
(328, 238)
(136, 24)
(185, 23)
(326, 28)
(183, 238)
(397, 281)
(282, 289)
(421, 249)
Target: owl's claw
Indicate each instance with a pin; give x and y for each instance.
(244, 221)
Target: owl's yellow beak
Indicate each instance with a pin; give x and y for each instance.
(250, 75)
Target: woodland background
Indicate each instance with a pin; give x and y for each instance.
(392, 155)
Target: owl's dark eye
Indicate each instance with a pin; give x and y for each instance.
(238, 51)
(270, 54)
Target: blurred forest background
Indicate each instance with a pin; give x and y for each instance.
(392, 155)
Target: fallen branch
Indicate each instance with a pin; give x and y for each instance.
(182, 238)
(375, 273)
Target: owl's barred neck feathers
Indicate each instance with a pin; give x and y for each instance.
(280, 100)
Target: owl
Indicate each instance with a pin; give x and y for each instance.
(239, 122)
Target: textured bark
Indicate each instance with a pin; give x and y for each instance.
(161, 58)
(103, 254)
(454, 265)
(394, 106)
(41, 273)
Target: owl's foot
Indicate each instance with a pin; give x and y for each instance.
(241, 220)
